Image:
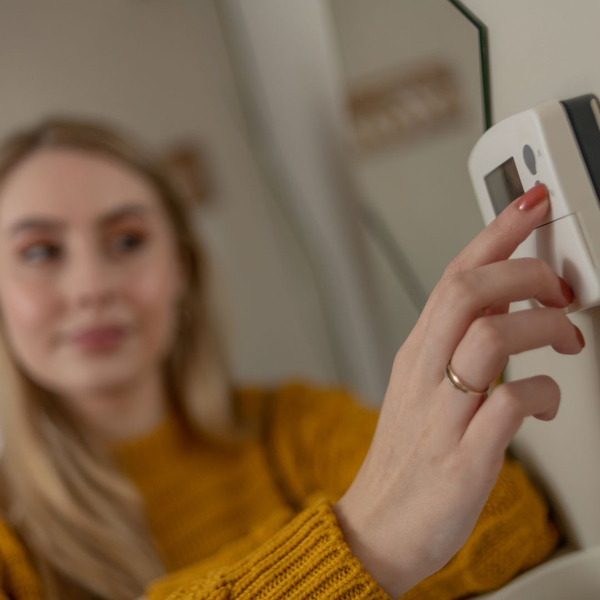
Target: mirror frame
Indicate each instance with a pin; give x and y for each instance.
(483, 61)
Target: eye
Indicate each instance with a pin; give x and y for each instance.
(129, 241)
(40, 253)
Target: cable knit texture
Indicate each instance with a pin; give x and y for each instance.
(255, 520)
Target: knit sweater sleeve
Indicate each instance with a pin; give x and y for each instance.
(316, 438)
(307, 558)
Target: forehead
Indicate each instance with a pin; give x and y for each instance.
(72, 185)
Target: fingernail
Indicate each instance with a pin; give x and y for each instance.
(566, 290)
(579, 336)
(532, 198)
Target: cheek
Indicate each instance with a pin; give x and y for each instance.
(152, 294)
(28, 308)
(153, 290)
(30, 317)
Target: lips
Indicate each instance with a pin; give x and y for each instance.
(99, 337)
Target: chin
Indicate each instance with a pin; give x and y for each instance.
(94, 378)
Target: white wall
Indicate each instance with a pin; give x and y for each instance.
(542, 50)
(162, 70)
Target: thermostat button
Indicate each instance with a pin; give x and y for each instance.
(561, 244)
(529, 158)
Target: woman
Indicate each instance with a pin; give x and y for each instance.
(131, 465)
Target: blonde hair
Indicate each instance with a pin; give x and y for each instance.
(80, 518)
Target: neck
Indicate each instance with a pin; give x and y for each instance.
(125, 411)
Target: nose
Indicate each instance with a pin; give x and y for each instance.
(90, 281)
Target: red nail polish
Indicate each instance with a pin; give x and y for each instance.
(532, 198)
(579, 336)
(566, 290)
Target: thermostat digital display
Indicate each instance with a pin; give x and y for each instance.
(556, 143)
(504, 185)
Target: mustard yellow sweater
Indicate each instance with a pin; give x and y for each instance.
(254, 521)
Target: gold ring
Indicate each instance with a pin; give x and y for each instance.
(454, 379)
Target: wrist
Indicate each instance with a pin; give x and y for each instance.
(392, 572)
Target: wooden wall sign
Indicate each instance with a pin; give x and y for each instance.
(396, 105)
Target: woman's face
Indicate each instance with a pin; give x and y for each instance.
(85, 243)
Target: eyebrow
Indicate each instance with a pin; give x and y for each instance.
(45, 223)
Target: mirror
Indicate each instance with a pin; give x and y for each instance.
(413, 84)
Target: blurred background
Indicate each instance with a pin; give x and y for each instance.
(323, 142)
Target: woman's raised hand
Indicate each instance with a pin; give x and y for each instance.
(437, 451)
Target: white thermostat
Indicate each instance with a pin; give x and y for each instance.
(557, 144)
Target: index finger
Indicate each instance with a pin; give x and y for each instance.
(506, 232)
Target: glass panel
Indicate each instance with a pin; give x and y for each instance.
(413, 83)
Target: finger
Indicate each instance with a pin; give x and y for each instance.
(483, 352)
(497, 241)
(501, 309)
(498, 419)
(466, 296)
(505, 233)
(501, 283)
